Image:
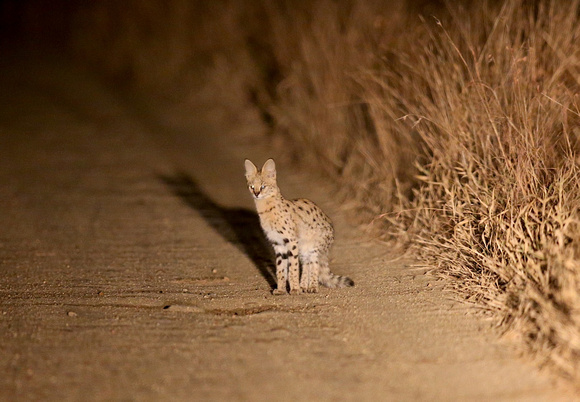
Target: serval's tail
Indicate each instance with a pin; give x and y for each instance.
(330, 280)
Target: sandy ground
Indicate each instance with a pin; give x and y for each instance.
(132, 268)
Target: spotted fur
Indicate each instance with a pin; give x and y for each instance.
(299, 231)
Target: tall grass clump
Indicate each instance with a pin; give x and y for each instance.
(498, 200)
(462, 132)
(320, 104)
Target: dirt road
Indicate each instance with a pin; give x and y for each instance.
(132, 269)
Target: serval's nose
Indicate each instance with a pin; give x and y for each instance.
(256, 192)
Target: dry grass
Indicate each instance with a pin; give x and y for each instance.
(463, 133)
(460, 133)
(498, 201)
(320, 104)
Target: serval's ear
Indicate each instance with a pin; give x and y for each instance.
(251, 169)
(269, 169)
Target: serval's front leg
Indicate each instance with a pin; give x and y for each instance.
(281, 269)
(293, 268)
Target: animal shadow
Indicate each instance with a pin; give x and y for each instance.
(239, 226)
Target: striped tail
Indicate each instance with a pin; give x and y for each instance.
(331, 280)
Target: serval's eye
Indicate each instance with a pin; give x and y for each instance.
(252, 187)
(262, 187)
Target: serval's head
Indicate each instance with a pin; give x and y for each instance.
(262, 183)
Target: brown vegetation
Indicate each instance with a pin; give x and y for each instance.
(459, 132)
(463, 132)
